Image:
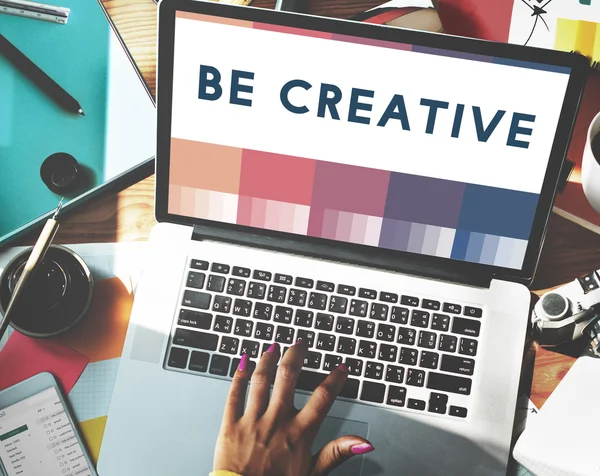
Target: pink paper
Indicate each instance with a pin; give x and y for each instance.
(23, 357)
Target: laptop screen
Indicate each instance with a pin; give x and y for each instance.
(343, 138)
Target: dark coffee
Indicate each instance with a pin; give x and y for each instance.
(596, 147)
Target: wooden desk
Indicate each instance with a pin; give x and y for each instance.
(569, 251)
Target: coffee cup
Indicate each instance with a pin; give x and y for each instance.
(590, 167)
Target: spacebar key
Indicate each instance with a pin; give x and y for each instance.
(311, 380)
(197, 340)
(449, 383)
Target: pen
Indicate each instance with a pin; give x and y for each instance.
(35, 258)
(38, 77)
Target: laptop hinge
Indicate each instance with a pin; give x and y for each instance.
(417, 265)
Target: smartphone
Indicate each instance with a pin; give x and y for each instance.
(38, 436)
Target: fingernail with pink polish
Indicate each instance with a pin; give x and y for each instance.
(273, 347)
(243, 363)
(343, 367)
(299, 341)
(362, 448)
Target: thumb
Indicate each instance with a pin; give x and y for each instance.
(337, 451)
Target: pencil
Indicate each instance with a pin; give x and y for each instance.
(38, 77)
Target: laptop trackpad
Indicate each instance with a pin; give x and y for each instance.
(333, 428)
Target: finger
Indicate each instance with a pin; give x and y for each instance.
(234, 407)
(287, 377)
(337, 451)
(320, 402)
(260, 384)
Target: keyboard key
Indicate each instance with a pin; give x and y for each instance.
(283, 314)
(347, 290)
(265, 347)
(430, 304)
(467, 346)
(257, 290)
(222, 304)
(250, 347)
(199, 320)
(264, 331)
(447, 343)
(312, 360)
(297, 297)
(367, 293)
(195, 339)
(358, 308)
(199, 264)
(396, 396)
(419, 318)
(365, 329)
(394, 374)
(386, 332)
(427, 339)
(304, 318)
(195, 280)
(346, 345)
(243, 328)
(283, 279)
(408, 356)
(261, 275)
(409, 301)
(399, 315)
(318, 301)
(372, 392)
(379, 311)
(229, 345)
(467, 327)
(457, 365)
(236, 286)
(388, 297)
(199, 361)
(235, 363)
(406, 335)
(440, 322)
(215, 283)
(325, 286)
(276, 294)
(326, 342)
(178, 358)
(355, 366)
(304, 283)
(219, 364)
(309, 380)
(459, 412)
(415, 377)
(452, 308)
(429, 360)
(472, 311)
(344, 325)
(338, 304)
(306, 336)
(220, 268)
(242, 307)
(374, 370)
(332, 361)
(449, 383)
(196, 299)
(263, 311)
(367, 349)
(324, 322)
(241, 272)
(284, 335)
(223, 324)
(415, 404)
(388, 352)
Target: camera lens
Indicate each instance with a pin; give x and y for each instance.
(554, 306)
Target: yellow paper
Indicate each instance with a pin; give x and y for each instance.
(92, 432)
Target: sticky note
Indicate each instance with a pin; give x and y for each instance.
(92, 433)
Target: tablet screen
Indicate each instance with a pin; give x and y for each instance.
(38, 439)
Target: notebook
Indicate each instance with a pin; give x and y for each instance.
(116, 135)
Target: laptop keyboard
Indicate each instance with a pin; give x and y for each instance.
(405, 352)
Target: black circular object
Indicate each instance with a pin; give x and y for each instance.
(554, 305)
(60, 172)
(56, 298)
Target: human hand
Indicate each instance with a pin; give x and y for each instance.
(271, 437)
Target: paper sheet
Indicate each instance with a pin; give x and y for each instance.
(526, 412)
(92, 432)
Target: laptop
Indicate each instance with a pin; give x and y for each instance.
(381, 193)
